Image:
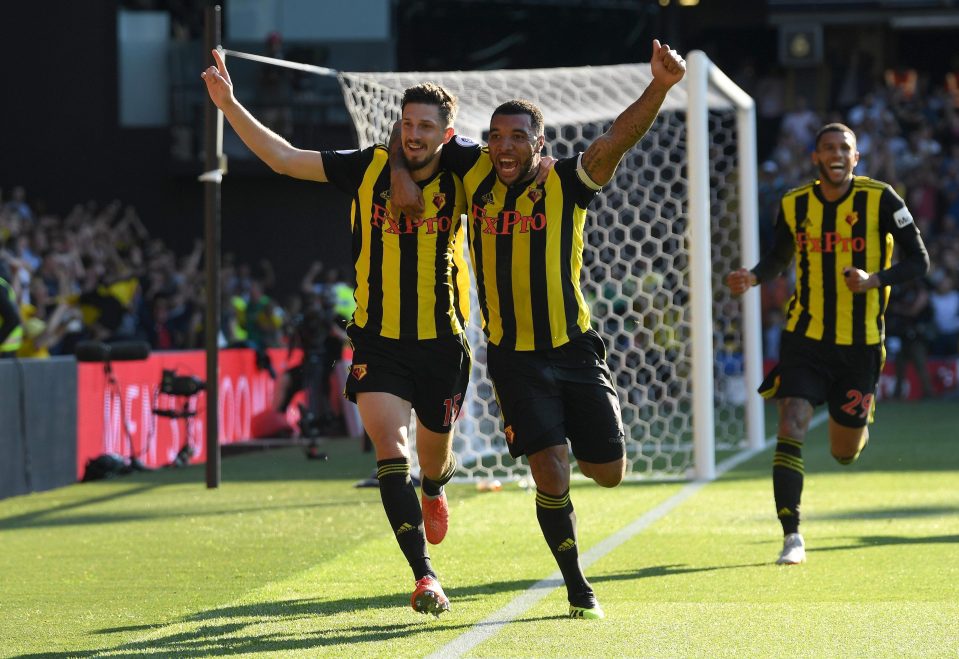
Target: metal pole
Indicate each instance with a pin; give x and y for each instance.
(752, 311)
(700, 268)
(211, 192)
(749, 244)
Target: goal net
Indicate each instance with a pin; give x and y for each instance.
(637, 265)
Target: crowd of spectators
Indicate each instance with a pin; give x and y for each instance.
(907, 127)
(98, 274)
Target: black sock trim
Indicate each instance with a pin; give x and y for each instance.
(550, 501)
(432, 487)
(393, 466)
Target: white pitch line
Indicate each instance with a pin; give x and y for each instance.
(492, 624)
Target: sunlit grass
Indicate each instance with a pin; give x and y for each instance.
(287, 558)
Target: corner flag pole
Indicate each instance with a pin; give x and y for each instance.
(211, 178)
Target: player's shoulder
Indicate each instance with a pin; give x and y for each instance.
(569, 168)
(465, 142)
(375, 155)
(889, 198)
(866, 183)
(353, 155)
(805, 188)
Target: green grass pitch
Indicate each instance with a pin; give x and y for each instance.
(286, 558)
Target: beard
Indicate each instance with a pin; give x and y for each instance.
(420, 163)
(524, 171)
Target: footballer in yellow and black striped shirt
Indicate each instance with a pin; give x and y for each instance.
(411, 278)
(409, 350)
(526, 246)
(840, 231)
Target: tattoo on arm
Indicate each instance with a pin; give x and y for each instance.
(604, 154)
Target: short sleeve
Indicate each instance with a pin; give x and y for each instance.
(577, 185)
(345, 169)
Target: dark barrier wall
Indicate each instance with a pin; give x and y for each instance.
(38, 424)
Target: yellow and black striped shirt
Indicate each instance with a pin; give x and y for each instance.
(526, 245)
(858, 230)
(410, 277)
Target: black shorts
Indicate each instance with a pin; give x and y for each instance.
(845, 377)
(547, 396)
(430, 374)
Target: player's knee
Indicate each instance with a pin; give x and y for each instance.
(847, 443)
(608, 480)
(848, 452)
(550, 469)
(605, 475)
(844, 459)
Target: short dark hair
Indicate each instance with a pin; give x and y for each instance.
(834, 127)
(522, 106)
(432, 94)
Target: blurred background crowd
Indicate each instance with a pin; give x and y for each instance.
(131, 269)
(98, 274)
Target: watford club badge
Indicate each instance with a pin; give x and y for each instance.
(385, 195)
(852, 218)
(439, 200)
(510, 436)
(358, 371)
(535, 195)
(487, 198)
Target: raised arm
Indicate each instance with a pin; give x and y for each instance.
(603, 155)
(269, 147)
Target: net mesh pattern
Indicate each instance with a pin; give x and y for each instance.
(636, 270)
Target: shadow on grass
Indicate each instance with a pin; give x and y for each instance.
(38, 519)
(655, 571)
(890, 540)
(277, 465)
(890, 513)
(234, 629)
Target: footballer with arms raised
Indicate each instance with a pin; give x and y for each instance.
(412, 299)
(526, 245)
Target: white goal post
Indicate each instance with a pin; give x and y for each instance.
(680, 213)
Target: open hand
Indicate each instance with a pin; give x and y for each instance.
(218, 83)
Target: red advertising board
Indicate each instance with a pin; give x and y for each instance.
(943, 375)
(121, 416)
